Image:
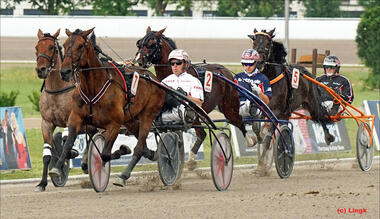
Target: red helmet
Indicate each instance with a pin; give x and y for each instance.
(250, 56)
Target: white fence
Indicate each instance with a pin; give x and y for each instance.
(218, 28)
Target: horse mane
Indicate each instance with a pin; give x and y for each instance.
(78, 32)
(279, 52)
(168, 40)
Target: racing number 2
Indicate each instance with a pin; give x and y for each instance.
(208, 81)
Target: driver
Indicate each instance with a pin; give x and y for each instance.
(256, 82)
(183, 82)
(338, 83)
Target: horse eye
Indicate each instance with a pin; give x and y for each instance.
(80, 46)
(36, 48)
(51, 47)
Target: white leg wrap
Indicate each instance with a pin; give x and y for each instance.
(65, 132)
(244, 108)
(47, 150)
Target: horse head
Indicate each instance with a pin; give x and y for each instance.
(77, 47)
(153, 48)
(47, 52)
(263, 43)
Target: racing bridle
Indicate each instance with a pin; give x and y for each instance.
(154, 49)
(44, 55)
(69, 52)
(262, 43)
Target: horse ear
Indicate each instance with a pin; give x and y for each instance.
(57, 33)
(271, 32)
(68, 32)
(252, 37)
(40, 34)
(254, 30)
(159, 33)
(87, 32)
(148, 29)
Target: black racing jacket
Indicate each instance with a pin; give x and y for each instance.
(338, 83)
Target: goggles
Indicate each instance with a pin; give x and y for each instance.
(176, 63)
(328, 66)
(248, 64)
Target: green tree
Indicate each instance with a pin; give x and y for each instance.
(113, 7)
(229, 8)
(368, 41)
(322, 8)
(159, 6)
(51, 7)
(251, 8)
(369, 3)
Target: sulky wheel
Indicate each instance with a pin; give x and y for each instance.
(364, 148)
(222, 163)
(284, 155)
(169, 160)
(98, 171)
(56, 153)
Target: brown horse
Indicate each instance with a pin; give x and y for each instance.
(286, 99)
(154, 48)
(55, 100)
(100, 100)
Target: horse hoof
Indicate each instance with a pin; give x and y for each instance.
(119, 182)
(191, 165)
(155, 156)
(73, 154)
(125, 150)
(39, 189)
(251, 140)
(84, 167)
(55, 172)
(329, 139)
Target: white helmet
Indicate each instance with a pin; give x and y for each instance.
(179, 54)
(333, 61)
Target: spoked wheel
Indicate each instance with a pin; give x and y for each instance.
(58, 147)
(284, 155)
(364, 148)
(268, 159)
(222, 163)
(169, 162)
(98, 171)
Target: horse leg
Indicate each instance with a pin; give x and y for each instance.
(146, 119)
(47, 133)
(91, 131)
(201, 135)
(75, 123)
(329, 138)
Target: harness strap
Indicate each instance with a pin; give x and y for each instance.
(277, 79)
(122, 78)
(97, 97)
(57, 92)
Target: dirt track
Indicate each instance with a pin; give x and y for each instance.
(312, 191)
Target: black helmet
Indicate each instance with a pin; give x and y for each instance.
(332, 60)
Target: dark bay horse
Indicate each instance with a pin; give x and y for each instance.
(154, 48)
(101, 100)
(286, 99)
(55, 99)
